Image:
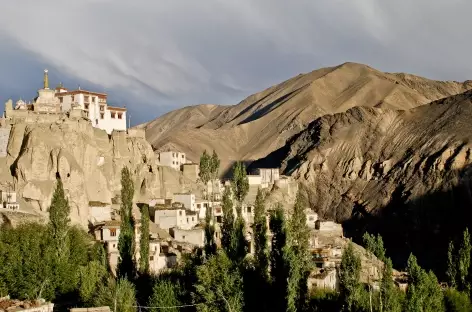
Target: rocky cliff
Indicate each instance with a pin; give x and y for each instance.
(89, 163)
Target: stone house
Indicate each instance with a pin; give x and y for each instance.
(324, 279)
(186, 199)
(311, 218)
(195, 236)
(167, 217)
(99, 211)
(172, 159)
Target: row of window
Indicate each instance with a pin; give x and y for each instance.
(176, 155)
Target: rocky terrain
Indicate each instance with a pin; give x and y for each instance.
(264, 121)
(405, 174)
(89, 163)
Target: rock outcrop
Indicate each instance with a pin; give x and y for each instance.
(88, 161)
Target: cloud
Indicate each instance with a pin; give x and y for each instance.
(160, 55)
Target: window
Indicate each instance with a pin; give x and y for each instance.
(193, 219)
(183, 236)
(113, 115)
(114, 245)
(219, 219)
(198, 206)
(173, 154)
(120, 115)
(187, 219)
(94, 99)
(180, 213)
(61, 99)
(182, 156)
(102, 108)
(102, 115)
(112, 232)
(311, 218)
(248, 209)
(151, 258)
(86, 106)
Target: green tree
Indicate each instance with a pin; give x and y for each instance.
(240, 187)
(389, 296)
(260, 237)
(219, 285)
(205, 168)
(165, 294)
(451, 272)
(349, 276)
(144, 241)
(374, 247)
(240, 182)
(214, 169)
(210, 245)
(119, 295)
(126, 241)
(90, 277)
(423, 293)
(464, 262)
(456, 301)
(228, 221)
(278, 266)
(59, 219)
(297, 256)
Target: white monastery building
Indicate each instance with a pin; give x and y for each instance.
(92, 105)
(172, 159)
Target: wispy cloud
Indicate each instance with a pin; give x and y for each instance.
(158, 55)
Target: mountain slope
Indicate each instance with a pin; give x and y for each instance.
(404, 174)
(264, 121)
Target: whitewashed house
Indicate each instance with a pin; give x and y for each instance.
(195, 236)
(174, 216)
(172, 159)
(187, 199)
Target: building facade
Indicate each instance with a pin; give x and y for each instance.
(172, 159)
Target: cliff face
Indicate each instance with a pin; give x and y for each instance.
(89, 163)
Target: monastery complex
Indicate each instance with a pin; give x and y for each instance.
(60, 102)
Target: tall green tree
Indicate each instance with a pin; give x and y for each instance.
(205, 168)
(374, 247)
(298, 256)
(457, 301)
(59, 212)
(389, 294)
(91, 276)
(260, 237)
(144, 241)
(464, 262)
(423, 293)
(278, 266)
(219, 285)
(126, 241)
(240, 187)
(214, 169)
(349, 278)
(165, 294)
(210, 245)
(228, 221)
(451, 272)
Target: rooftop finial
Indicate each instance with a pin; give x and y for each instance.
(46, 79)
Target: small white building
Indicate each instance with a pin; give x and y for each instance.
(9, 200)
(99, 211)
(268, 175)
(172, 159)
(194, 236)
(170, 217)
(311, 218)
(186, 199)
(324, 279)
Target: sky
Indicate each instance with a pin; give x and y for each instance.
(155, 56)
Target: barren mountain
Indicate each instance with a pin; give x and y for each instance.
(264, 121)
(405, 174)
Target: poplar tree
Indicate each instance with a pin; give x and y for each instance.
(59, 219)
(240, 187)
(144, 241)
(278, 266)
(210, 245)
(126, 241)
(260, 237)
(349, 276)
(451, 271)
(297, 256)
(214, 169)
(464, 261)
(205, 168)
(228, 221)
(389, 298)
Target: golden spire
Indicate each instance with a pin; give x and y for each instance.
(46, 79)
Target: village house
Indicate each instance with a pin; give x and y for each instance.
(268, 175)
(9, 200)
(187, 199)
(324, 279)
(108, 233)
(99, 211)
(311, 218)
(172, 159)
(175, 215)
(195, 236)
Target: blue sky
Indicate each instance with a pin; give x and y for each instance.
(155, 56)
